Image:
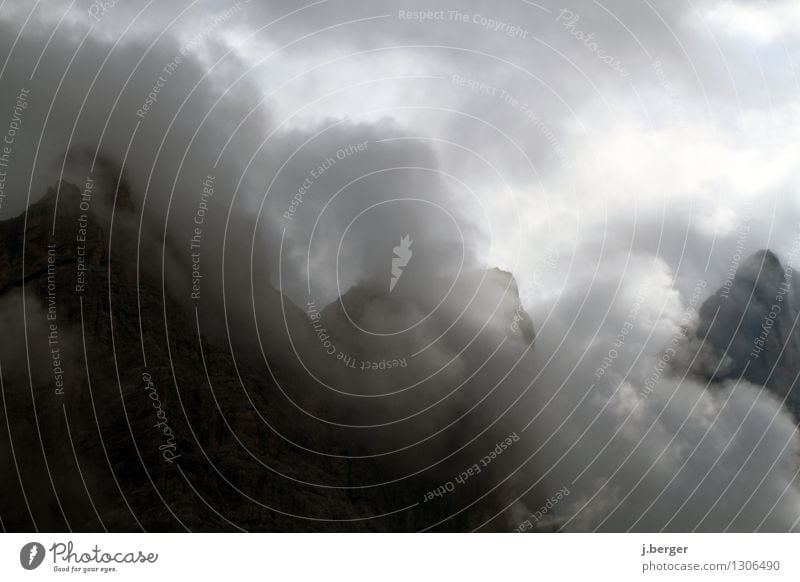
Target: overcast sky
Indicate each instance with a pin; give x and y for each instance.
(595, 127)
(591, 148)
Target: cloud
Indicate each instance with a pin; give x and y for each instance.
(640, 444)
(309, 139)
(763, 23)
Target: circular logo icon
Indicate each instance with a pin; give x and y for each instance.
(31, 555)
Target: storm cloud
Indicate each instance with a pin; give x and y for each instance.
(581, 173)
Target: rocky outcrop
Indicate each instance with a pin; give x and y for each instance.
(120, 413)
(749, 329)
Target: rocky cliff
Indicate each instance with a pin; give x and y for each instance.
(121, 413)
(749, 329)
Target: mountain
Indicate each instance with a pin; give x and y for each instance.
(122, 413)
(749, 329)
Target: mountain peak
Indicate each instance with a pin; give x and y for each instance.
(765, 258)
(746, 329)
(761, 271)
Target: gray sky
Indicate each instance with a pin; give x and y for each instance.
(591, 148)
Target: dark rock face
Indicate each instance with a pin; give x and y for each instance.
(749, 329)
(120, 413)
